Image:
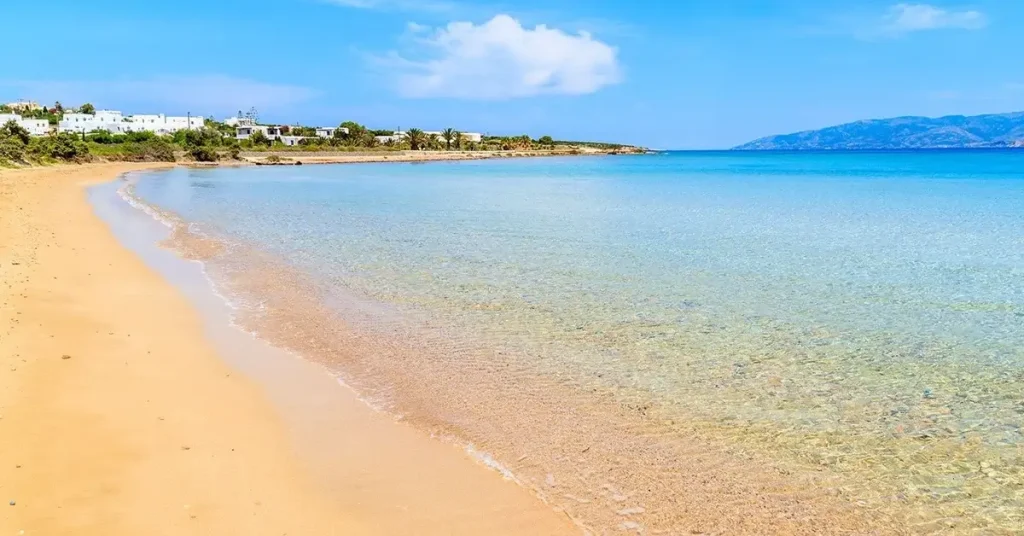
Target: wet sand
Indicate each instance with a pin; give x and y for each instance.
(118, 415)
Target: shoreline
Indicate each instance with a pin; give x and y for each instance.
(478, 401)
(260, 158)
(144, 426)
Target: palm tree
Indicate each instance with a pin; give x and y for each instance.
(416, 138)
(448, 135)
(458, 140)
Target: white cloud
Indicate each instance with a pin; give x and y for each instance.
(500, 59)
(416, 28)
(396, 5)
(201, 94)
(905, 18)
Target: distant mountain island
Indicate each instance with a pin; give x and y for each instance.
(952, 131)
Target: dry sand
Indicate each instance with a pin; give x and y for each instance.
(118, 417)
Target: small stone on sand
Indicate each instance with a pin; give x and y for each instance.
(65, 356)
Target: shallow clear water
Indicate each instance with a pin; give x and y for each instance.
(859, 312)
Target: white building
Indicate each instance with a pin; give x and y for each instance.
(395, 137)
(108, 120)
(114, 122)
(328, 132)
(245, 132)
(35, 127)
(238, 121)
(466, 136)
(161, 124)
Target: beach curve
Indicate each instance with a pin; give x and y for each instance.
(126, 421)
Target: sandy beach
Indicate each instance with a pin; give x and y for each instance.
(117, 416)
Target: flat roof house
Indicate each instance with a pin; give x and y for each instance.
(114, 122)
(35, 127)
(328, 132)
(246, 131)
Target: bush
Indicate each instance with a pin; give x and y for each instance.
(259, 138)
(233, 152)
(274, 159)
(12, 150)
(100, 136)
(141, 136)
(154, 150)
(14, 130)
(62, 146)
(204, 154)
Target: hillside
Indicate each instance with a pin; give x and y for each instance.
(992, 130)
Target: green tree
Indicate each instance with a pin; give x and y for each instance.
(546, 140)
(100, 136)
(63, 146)
(459, 140)
(87, 108)
(140, 136)
(58, 108)
(416, 138)
(15, 131)
(448, 135)
(259, 138)
(11, 150)
(203, 154)
(355, 130)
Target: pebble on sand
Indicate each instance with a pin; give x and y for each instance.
(11, 503)
(65, 356)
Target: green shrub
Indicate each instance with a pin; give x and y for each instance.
(141, 136)
(154, 150)
(233, 152)
(12, 150)
(62, 146)
(274, 159)
(203, 154)
(259, 138)
(100, 136)
(14, 130)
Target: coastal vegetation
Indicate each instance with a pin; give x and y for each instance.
(218, 141)
(18, 148)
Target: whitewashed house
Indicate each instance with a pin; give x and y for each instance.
(246, 131)
(108, 120)
(35, 127)
(114, 122)
(396, 137)
(466, 136)
(238, 121)
(328, 132)
(161, 124)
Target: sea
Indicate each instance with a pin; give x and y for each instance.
(676, 343)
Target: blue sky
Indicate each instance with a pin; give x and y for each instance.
(666, 74)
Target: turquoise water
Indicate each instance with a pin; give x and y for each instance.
(859, 312)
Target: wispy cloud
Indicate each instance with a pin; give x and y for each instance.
(501, 59)
(902, 19)
(203, 93)
(397, 5)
